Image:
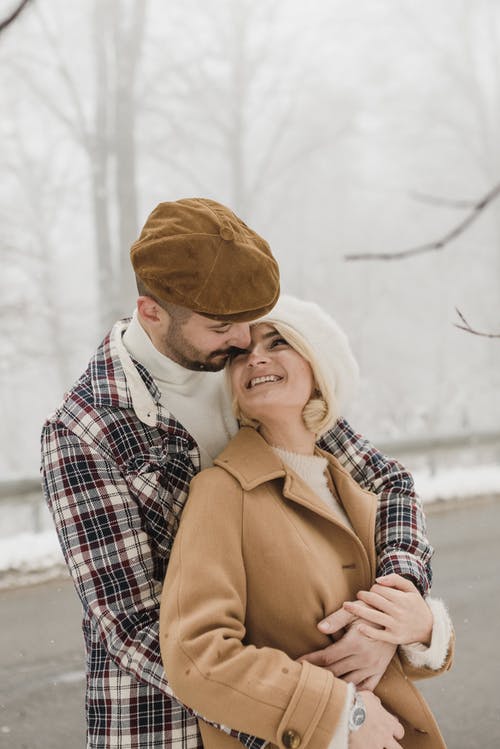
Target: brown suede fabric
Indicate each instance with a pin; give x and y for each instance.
(198, 254)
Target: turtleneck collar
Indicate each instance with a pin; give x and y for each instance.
(161, 367)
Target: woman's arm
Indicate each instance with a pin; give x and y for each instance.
(393, 611)
(401, 545)
(391, 614)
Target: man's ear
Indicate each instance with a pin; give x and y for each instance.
(150, 311)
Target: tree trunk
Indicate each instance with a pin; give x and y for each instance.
(98, 150)
(239, 86)
(128, 39)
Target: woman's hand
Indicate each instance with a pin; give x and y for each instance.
(380, 729)
(394, 611)
(354, 657)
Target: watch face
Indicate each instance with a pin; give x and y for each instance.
(358, 716)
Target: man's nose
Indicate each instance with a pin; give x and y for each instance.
(240, 335)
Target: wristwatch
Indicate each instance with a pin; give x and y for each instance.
(357, 715)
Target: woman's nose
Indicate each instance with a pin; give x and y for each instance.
(257, 356)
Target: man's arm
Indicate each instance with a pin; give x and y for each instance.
(400, 541)
(106, 550)
(400, 532)
(100, 529)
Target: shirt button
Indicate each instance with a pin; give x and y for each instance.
(291, 739)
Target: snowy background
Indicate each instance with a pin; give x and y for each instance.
(332, 127)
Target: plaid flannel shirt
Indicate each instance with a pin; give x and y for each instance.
(116, 470)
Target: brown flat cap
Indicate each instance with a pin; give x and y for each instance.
(198, 254)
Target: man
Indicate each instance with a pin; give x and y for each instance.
(148, 413)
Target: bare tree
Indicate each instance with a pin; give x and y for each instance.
(243, 102)
(462, 58)
(42, 190)
(106, 134)
(439, 244)
(475, 210)
(467, 327)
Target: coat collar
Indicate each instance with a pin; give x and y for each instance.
(252, 462)
(250, 459)
(359, 504)
(119, 381)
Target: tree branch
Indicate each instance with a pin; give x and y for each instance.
(468, 328)
(459, 229)
(446, 202)
(7, 21)
(79, 125)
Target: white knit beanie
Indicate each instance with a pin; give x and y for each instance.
(330, 355)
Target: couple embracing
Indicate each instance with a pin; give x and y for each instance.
(251, 570)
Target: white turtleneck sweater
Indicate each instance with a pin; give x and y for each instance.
(313, 470)
(198, 400)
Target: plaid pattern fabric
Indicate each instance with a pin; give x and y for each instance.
(116, 487)
(400, 530)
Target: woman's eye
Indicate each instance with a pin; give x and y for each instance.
(278, 342)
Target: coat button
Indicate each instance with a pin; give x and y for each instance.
(291, 739)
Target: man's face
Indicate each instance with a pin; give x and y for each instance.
(199, 343)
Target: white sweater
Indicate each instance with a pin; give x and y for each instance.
(198, 400)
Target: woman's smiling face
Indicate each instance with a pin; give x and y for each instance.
(270, 379)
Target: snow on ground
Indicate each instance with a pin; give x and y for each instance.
(30, 557)
(458, 483)
(30, 551)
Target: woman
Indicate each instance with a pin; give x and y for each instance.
(272, 539)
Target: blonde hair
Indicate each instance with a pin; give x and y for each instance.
(321, 411)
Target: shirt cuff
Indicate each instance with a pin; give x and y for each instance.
(340, 739)
(434, 656)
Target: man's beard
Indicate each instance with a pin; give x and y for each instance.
(214, 362)
(177, 348)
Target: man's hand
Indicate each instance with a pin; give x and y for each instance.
(394, 611)
(354, 658)
(380, 729)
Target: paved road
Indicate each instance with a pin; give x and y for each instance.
(41, 671)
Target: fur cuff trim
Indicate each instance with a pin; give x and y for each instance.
(433, 656)
(340, 739)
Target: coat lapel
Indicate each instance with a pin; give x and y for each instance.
(252, 462)
(360, 505)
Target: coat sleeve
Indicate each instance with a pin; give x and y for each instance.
(422, 662)
(401, 541)
(261, 691)
(419, 672)
(108, 553)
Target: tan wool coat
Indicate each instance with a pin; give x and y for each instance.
(258, 560)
